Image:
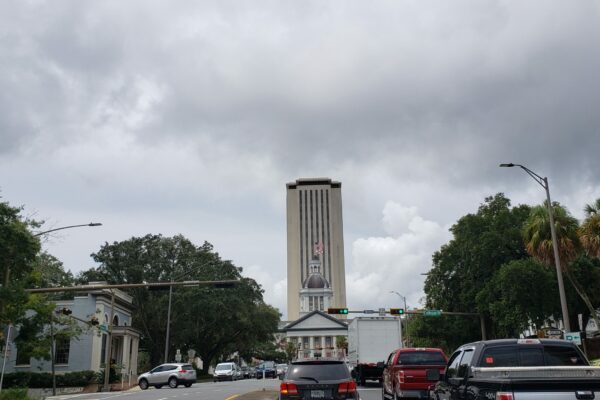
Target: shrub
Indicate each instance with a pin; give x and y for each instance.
(44, 379)
(14, 394)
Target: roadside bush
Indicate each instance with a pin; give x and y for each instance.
(44, 379)
(14, 394)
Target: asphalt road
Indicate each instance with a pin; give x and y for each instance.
(204, 391)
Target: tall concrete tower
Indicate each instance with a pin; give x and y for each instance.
(314, 227)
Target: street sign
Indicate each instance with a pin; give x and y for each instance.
(382, 312)
(103, 328)
(368, 311)
(574, 337)
(432, 313)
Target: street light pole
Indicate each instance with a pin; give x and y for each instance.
(405, 313)
(543, 182)
(67, 227)
(168, 324)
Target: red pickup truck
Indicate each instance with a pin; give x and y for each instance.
(406, 372)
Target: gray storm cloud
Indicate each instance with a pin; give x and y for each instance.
(196, 114)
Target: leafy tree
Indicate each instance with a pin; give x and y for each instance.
(538, 241)
(18, 249)
(291, 350)
(215, 322)
(481, 244)
(519, 294)
(589, 231)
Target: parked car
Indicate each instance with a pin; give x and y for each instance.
(405, 373)
(245, 372)
(514, 369)
(318, 379)
(172, 374)
(267, 368)
(227, 371)
(281, 369)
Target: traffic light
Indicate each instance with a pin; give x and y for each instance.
(65, 311)
(337, 311)
(94, 321)
(397, 311)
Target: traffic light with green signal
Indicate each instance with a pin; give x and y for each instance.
(94, 321)
(337, 311)
(397, 311)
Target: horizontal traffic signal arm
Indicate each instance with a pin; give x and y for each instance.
(337, 311)
(91, 288)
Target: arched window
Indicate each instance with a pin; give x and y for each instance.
(116, 320)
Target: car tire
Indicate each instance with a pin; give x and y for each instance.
(173, 382)
(188, 385)
(143, 383)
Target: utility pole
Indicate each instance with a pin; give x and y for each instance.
(107, 360)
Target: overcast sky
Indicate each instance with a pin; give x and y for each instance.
(190, 117)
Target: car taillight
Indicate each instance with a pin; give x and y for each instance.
(347, 387)
(288, 388)
(401, 377)
(504, 396)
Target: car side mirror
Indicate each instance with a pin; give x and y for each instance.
(380, 364)
(433, 375)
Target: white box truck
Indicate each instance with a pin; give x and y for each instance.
(370, 342)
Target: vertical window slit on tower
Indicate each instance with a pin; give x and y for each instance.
(307, 246)
(312, 228)
(325, 266)
(301, 237)
(329, 240)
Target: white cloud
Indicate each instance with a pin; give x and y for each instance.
(395, 262)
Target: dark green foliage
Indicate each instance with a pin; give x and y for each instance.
(14, 394)
(215, 322)
(481, 244)
(44, 379)
(521, 292)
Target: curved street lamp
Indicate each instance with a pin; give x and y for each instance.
(405, 313)
(543, 182)
(67, 227)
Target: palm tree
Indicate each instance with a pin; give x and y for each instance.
(589, 231)
(538, 242)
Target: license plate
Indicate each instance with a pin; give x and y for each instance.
(317, 394)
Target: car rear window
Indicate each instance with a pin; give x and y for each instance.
(421, 358)
(530, 356)
(319, 371)
(187, 367)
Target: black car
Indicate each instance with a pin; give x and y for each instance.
(267, 369)
(318, 380)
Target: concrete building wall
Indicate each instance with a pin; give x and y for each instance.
(314, 215)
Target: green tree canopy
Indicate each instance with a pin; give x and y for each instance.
(214, 322)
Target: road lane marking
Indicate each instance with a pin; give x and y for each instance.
(232, 397)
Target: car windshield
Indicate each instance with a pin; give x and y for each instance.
(323, 371)
(224, 367)
(421, 358)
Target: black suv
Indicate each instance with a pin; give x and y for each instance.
(317, 380)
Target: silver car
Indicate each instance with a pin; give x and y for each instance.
(172, 374)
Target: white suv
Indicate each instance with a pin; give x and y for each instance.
(172, 374)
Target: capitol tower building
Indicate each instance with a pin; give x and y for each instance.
(316, 276)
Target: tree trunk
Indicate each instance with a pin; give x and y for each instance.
(581, 292)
